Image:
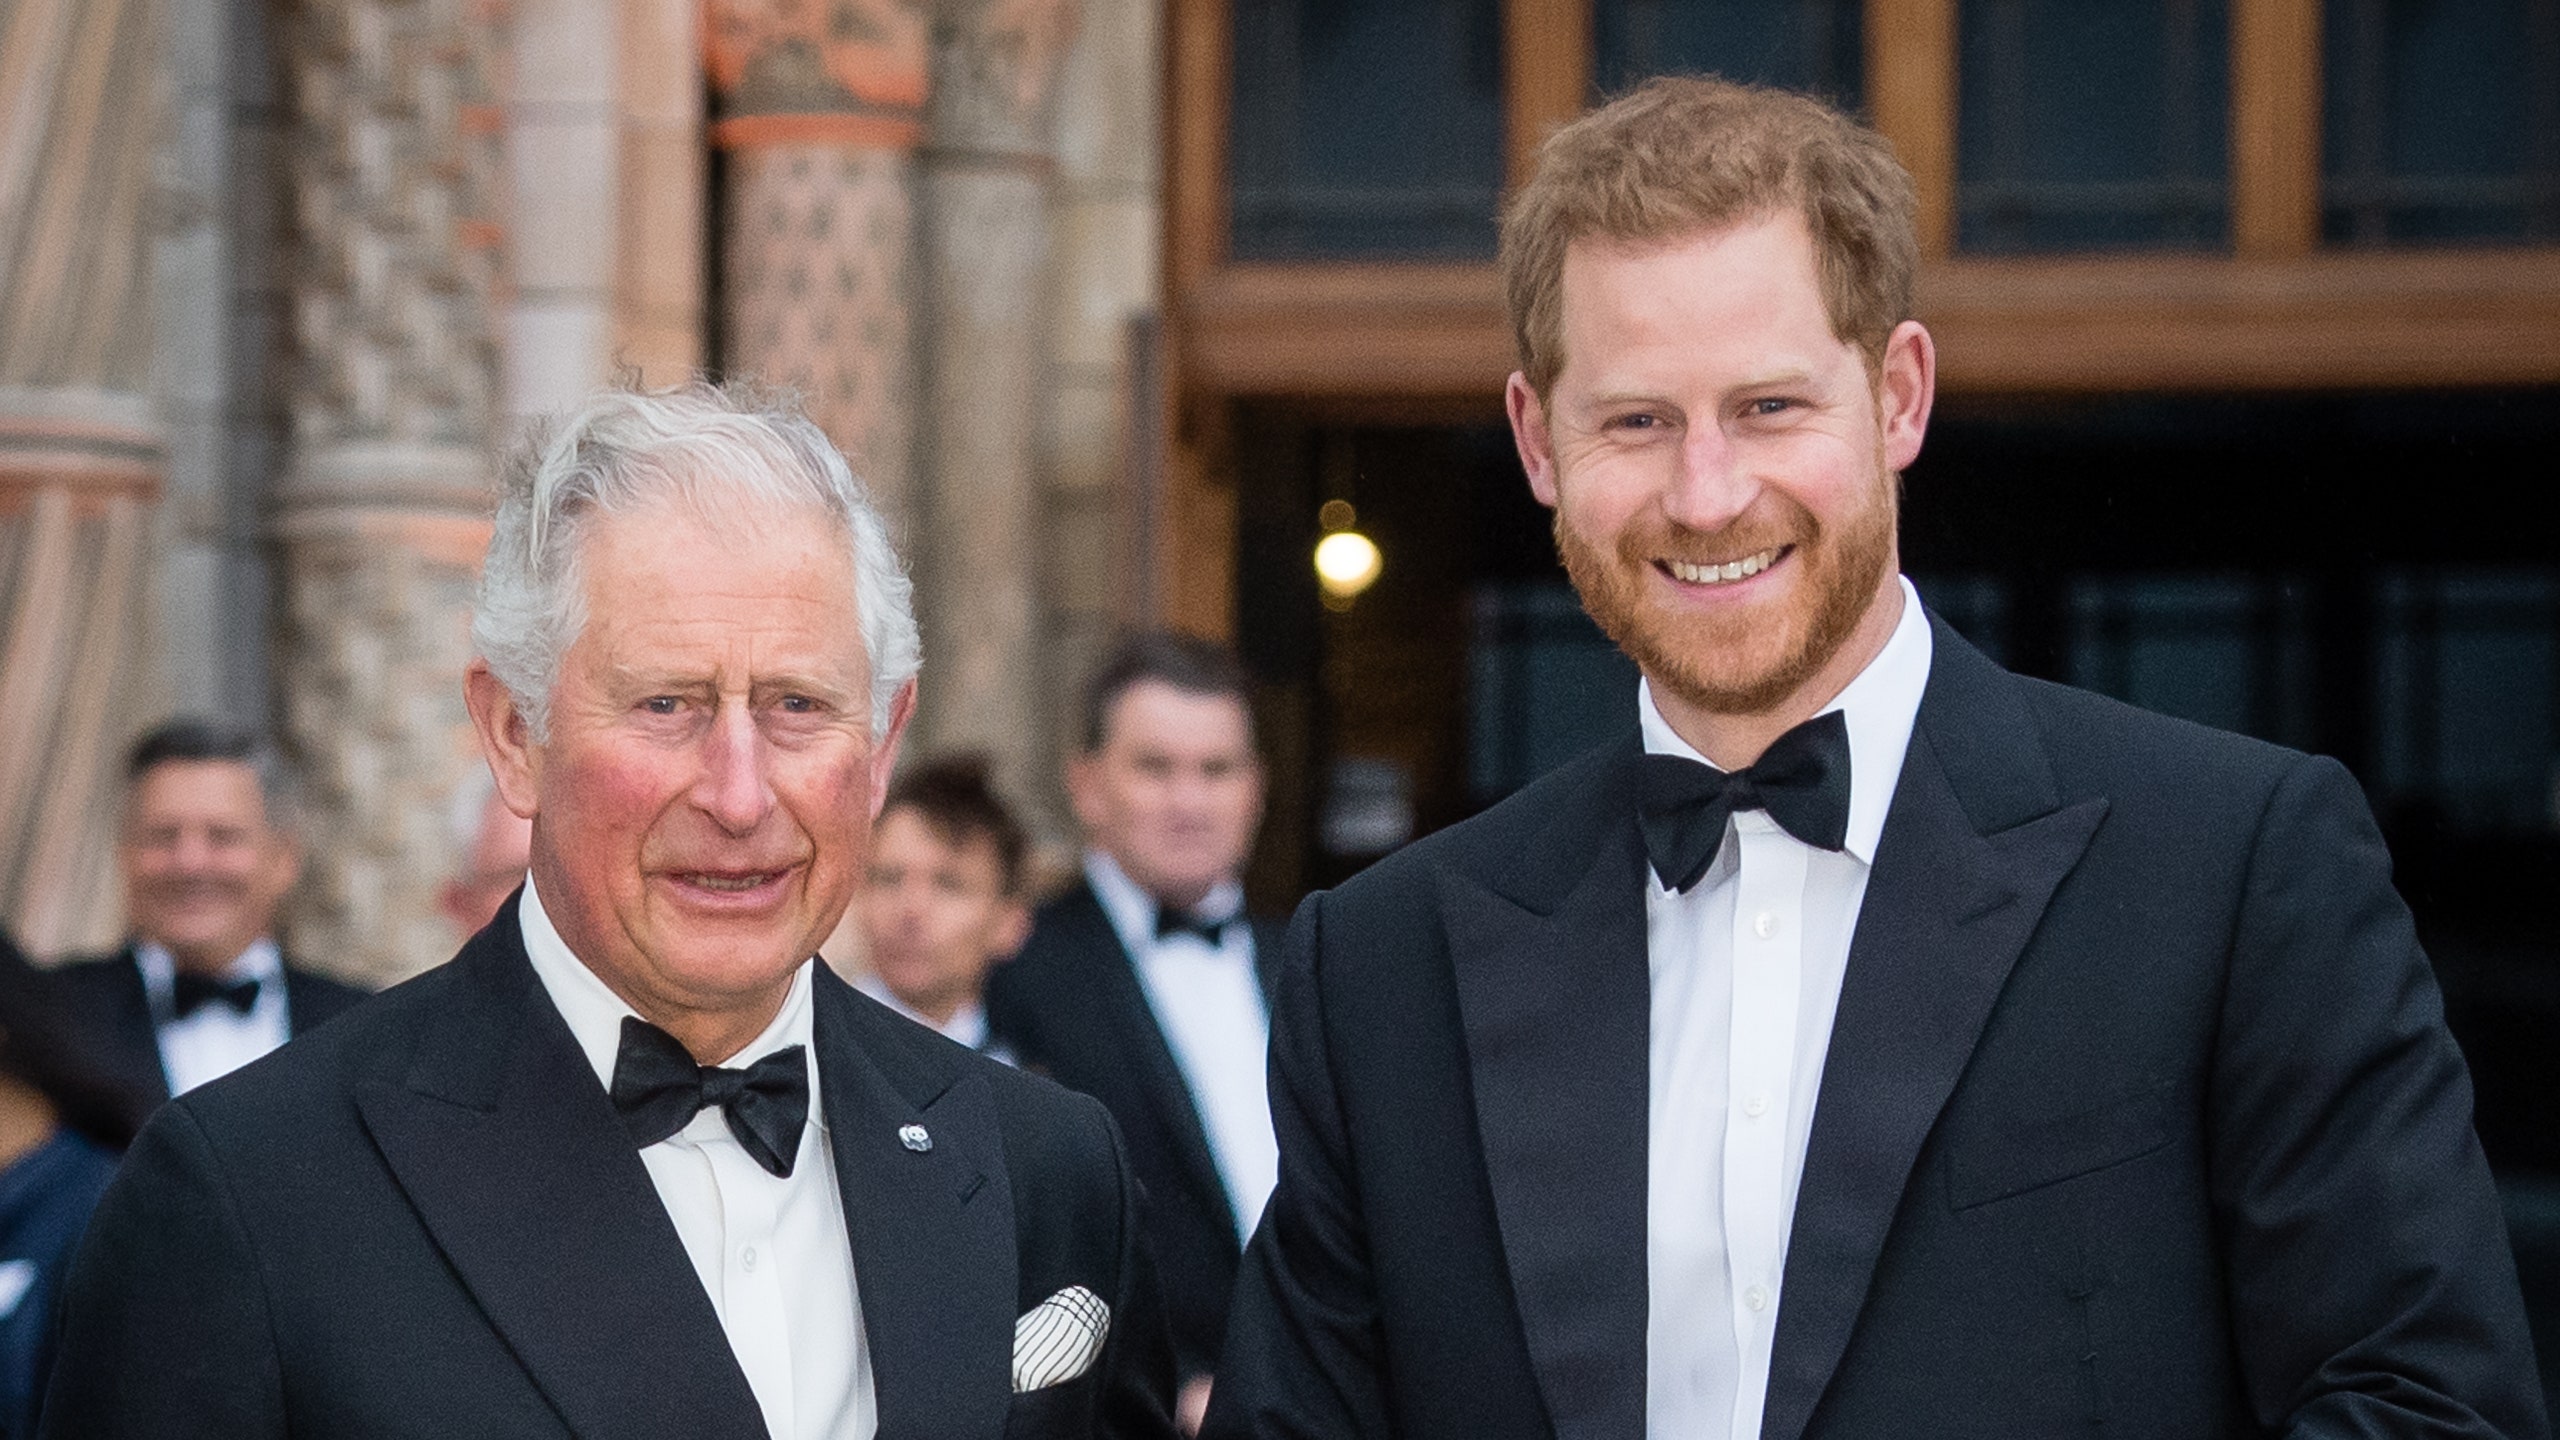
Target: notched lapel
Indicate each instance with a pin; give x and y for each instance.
(1947, 912)
(932, 1230)
(513, 1158)
(1556, 1006)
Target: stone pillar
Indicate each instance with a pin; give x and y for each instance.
(82, 109)
(380, 518)
(988, 170)
(817, 110)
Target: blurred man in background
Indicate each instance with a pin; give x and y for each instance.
(942, 902)
(493, 843)
(208, 850)
(1146, 986)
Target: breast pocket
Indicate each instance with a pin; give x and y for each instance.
(2000, 1161)
(1053, 1412)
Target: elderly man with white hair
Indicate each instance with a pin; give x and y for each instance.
(635, 1163)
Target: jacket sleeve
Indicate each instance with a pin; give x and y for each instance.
(166, 1330)
(2371, 1285)
(1304, 1358)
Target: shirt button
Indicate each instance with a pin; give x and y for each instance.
(1757, 1297)
(747, 1258)
(1764, 924)
(1756, 1106)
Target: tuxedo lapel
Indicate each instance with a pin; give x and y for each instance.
(134, 1039)
(1555, 995)
(932, 1227)
(1142, 1039)
(1973, 848)
(512, 1155)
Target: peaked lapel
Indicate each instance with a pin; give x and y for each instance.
(1555, 995)
(1142, 1041)
(511, 1154)
(932, 1230)
(1973, 847)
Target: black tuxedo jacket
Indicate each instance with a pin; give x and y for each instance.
(2139, 1118)
(428, 1220)
(103, 997)
(1070, 1005)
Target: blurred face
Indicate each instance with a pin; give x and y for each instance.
(203, 868)
(1174, 792)
(935, 914)
(702, 807)
(491, 871)
(1722, 466)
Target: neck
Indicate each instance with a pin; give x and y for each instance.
(27, 1119)
(938, 1010)
(1733, 740)
(714, 1037)
(214, 960)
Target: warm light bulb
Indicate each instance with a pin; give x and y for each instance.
(1347, 562)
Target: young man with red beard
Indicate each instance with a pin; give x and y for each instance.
(1869, 1042)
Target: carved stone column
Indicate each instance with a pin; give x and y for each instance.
(817, 109)
(988, 169)
(81, 448)
(380, 516)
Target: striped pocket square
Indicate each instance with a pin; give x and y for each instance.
(1059, 1339)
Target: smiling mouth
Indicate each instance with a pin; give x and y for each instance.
(1728, 572)
(729, 884)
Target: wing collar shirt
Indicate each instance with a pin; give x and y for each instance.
(1746, 976)
(216, 1039)
(1207, 1000)
(772, 1251)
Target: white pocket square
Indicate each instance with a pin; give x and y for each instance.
(1059, 1339)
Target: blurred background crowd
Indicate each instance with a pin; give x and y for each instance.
(1154, 316)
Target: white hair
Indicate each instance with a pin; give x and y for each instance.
(712, 446)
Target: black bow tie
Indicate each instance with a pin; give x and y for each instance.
(194, 992)
(659, 1090)
(1802, 780)
(1171, 922)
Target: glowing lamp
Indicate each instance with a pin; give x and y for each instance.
(1347, 562)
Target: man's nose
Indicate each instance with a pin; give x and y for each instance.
(1711, 483)
(735, 790)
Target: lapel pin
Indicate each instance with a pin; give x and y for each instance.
(915, 1138)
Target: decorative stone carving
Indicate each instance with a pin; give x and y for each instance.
(396, 258)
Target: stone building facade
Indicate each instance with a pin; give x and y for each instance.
(284, 277)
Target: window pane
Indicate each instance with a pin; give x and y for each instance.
(1367, 128)
(2469, 673)
(2443, 121)
(2092, 124)
(1810, 45)
(1547, 685)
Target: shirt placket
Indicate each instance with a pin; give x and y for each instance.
(1767, 988)
(752, 1312)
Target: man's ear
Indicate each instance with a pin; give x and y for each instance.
(884, 756)
(1906, 388)
(514, 762)
(1530, 435)
(1012, 929)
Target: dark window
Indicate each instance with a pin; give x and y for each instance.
(2443, 121)
(1812, 45)
(2467, 677)
(2092, 124)
(1545, 685)
(1366, 128)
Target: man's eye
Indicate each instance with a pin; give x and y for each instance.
(1770, 405)
(661, 704)
(1636, 422)
(799, 705)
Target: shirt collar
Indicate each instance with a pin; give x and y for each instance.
(968, 1024)
(595, 1013)
(261, 962)
(1132, 911)
(1880, 707)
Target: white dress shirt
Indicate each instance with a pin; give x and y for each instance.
(1746, 975)
(1208, 1002)
(967, 1025)
(772, 1251)
(216, 1039)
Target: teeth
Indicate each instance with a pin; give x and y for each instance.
(1725, 574)
(730, 882)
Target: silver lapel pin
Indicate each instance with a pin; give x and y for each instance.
(915, 1138)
